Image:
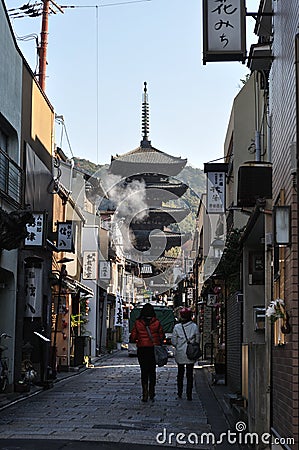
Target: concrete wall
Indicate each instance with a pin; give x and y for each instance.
(10, 83)
(10, 123)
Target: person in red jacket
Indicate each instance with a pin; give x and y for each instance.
(145, 348)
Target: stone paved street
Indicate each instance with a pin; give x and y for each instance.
(103, 403)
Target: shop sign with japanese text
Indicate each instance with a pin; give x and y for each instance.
(36, 231)
(105, 270)
(215, 192)
(65, 240)
(224, 27)
(33, 292)
(90, 265)
(118, 319)
(189, 262)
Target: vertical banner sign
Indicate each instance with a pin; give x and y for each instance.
(126, 333)
(190, 295)
(189, 265)
(33, 292)
(216, 179)
(118, 320)
(65, 241)
(224, 30)
(212, 299)
(90, 265)
(104, 270)
(35, 236)
(216, 192)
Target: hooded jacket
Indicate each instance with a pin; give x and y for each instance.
(140, 335)
(179, 341)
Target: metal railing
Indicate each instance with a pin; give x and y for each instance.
(11, 179)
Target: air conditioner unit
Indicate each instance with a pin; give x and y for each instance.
(254, 182)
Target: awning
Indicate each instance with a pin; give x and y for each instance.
(78, 287)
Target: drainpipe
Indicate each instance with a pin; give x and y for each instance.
(257, 133)
(269, 135)
(257, 145)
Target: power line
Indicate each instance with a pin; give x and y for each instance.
(36, 9)
(106, 4)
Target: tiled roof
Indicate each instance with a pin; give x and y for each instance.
(148, 155)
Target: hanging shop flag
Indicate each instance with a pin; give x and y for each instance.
(224, 37)
(36, 231)
(215, 187)
(33, 292)
(118, 320)
(90, 265)
(65, 242)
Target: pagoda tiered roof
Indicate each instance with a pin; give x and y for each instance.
(156, 169)
(159, 217)
(159, 240)
(165, 191)
(146, 159)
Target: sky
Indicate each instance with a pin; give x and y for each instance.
(100, 55)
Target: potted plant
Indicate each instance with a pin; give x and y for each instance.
(279, 316)
(276, 310)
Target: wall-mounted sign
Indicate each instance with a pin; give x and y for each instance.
(146, 268)
(212, 299)
(36, 232)
(215, 187)
(65, 239)
(224, 36)
(189, 262)
(105, 270)
(190, 294)
(215, 192)
(90, 265)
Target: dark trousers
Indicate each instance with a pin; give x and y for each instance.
(180, 379)
(147, 362)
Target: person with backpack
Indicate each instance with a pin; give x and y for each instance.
(185, 331)
(147, 332)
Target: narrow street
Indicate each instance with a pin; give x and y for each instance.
(102, 405)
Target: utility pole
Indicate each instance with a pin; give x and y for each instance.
(43, 45)
(44, 41)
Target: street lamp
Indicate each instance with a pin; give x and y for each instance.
(62, 274)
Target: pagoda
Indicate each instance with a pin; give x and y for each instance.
(151, 228)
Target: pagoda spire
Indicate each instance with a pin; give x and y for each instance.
(145, 143)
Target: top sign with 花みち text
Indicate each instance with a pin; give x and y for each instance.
(224, 30)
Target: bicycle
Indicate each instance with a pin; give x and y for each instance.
(3, 364)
